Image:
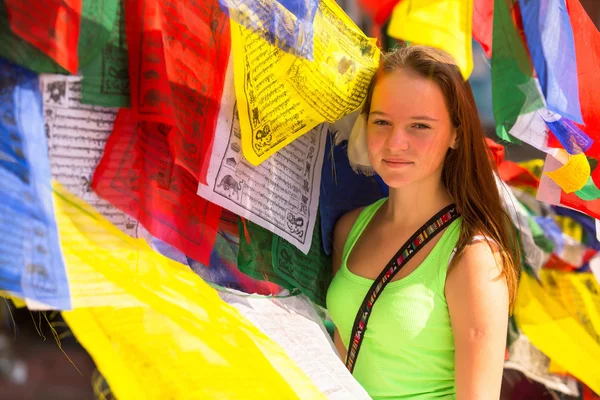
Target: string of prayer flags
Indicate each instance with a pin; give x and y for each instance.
(529, 360)
(534, 256)
(286, 24)
(531, 129)
(77, 134)
(266, 256)
(106, 74)
(99, 20)
(483, 21)
(19, 51)
(31, 265)
(281, 96)
(379, 10)
(589, 191)
(51, 25)
(294, 323)
(560, 319)
(550, 192)
(281, 194)
(514, 90)
(550, 228)
(573, 224)
(255, 253)
(223, 269)
(551, 46)
(178, 55)
(157, 330)
(587, 50)
(138, 176)
(573, 175)
(311, 273)
(573, 139)
(445, 24)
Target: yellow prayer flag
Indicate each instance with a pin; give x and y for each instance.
(281, 96)
(555, 368)
(155, 329)
(570, 227)
(535, 166)
(560, 318)
(444, 24)
(573, 175)
(17, 301)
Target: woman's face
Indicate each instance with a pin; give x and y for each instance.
(409, 129)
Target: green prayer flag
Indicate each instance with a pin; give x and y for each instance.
(106, 75)
(514, 90)
(589, 191)
(254, 256)
(271, 258)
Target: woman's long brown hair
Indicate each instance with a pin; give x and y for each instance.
(467, 173)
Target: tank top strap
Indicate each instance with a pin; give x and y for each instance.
(359, 226)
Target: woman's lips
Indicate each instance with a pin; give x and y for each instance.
(397, 163)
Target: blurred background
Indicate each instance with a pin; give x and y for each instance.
(34, 366)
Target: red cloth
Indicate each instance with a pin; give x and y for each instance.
(483, 21)
(591, 208)
(587, 51)
(178, 55)
(496, 152)
(50, 25)
(139, 177)
(515, 175)
(557, 263)
(160, 149)
(379, 10)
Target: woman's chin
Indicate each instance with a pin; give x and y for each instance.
(396, 181)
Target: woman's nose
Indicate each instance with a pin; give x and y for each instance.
(398, 140)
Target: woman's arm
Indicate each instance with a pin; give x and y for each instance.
(478, 303)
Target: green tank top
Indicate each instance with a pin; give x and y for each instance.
(408, 349)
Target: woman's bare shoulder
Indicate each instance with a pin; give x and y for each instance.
(344, 225)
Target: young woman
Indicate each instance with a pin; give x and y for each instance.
(438, 329)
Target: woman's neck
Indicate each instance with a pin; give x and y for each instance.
(413, 205)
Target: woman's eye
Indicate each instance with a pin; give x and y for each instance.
(421, 126)
(381, 122)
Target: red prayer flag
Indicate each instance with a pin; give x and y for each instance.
(178, 55)
(483, 21)
(495, 152)
(379, 10)
(587, 51)
(516, 175)
(138, 175)
(50, 25)
(557, 263)
(589, 207)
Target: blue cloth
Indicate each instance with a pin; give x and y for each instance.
(343, 190)
(587, 223)
(552, 47)
(287, 24)
(552, 231)
(31, 262)
(573, 139)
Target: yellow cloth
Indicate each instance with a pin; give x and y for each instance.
(562, 319)
(281, 96)
(573, 175)
(156, 330)
(444, 24)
